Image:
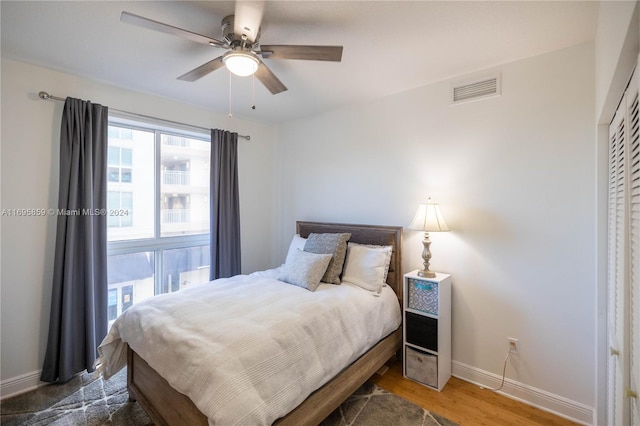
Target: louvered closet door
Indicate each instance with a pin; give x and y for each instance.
(623, 367)
(617, 409)
(634, 250)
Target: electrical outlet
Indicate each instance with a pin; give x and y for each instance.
(514, 345)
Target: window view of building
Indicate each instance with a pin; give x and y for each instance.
(130, 184)
(184, 186)
(158, 211)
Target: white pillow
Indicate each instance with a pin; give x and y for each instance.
(305, 269)
(367, 266)
(297, 242)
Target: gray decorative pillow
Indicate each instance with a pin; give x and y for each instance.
(335, 244)
(305, 269)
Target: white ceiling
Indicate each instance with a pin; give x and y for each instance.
(389, 46)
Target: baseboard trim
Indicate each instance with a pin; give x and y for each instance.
(529, 395)
(20, 384)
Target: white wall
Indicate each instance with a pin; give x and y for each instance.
(514, 176)
(616, 47)
(30, 150)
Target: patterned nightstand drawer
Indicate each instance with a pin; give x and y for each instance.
(423, 296)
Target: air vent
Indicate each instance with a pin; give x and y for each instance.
(477, 89)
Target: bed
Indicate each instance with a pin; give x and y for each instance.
(167, 406)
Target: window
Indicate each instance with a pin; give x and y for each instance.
(120, 206)
(119, 163)
(131, 279)
(158, 203)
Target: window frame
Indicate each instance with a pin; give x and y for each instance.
(157, 244)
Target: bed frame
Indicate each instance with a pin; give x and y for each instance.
(167, 406)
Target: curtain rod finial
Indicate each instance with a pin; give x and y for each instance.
(44, 95)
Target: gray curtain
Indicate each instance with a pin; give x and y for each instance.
(78, 320)
(225, 205)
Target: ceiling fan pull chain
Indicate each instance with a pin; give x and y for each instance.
(230, 114)
(253, 91)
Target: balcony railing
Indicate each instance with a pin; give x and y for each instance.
(173, 177)
(175, 141)
(176, 216)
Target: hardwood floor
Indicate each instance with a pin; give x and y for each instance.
(466, 403)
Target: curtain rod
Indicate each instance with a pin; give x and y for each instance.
(46, 96)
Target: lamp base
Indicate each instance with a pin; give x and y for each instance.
(426, 256)
(426, 273)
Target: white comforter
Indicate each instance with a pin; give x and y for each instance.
(249, 349)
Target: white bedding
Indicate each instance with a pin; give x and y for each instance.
(249, 349)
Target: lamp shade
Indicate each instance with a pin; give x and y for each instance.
(429, 219)
(242, 64)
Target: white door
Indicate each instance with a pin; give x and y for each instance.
(623, 319)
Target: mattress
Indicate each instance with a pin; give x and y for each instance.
(249, 349)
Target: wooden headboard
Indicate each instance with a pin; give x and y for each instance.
(366, 234)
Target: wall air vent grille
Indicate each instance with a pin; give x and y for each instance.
(479, 89)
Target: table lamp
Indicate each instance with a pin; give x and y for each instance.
(428, 219)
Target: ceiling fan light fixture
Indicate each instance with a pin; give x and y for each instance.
(242, 64)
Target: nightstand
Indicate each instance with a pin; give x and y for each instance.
(426, 329)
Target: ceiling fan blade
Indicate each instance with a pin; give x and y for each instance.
(141, 21)
(203, 70)
(309, 53)
(247, 19)
(269, 79)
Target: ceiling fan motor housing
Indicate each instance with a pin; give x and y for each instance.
(227, 29)
(233, 39)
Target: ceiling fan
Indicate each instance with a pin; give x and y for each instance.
(241, 37)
